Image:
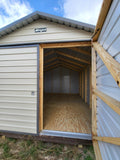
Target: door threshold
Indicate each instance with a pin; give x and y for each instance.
(66, 134)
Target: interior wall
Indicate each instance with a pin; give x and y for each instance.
(88, 85)
(85, 85)
(61, 80)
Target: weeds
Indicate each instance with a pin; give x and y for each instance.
(88, 158)
(13, 149)
(6, 150)
(78, 156)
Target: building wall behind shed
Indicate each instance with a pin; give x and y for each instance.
(61, 80)
(109, 121)
(55, 32)
(18, 89)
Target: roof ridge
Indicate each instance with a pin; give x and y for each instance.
(36, 15)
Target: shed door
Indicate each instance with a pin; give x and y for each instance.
(105, 105)
(18, 89)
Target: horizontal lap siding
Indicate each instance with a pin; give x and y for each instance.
(18, 79)
(108, 121)
(55, 32)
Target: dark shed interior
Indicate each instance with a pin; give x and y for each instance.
(67, 89)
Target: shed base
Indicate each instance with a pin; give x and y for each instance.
(66, 134)
(51, 139)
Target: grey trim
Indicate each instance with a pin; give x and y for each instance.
(31, 43)
(38, 89)
(52, 18)
(66, 134)
(15, 132)
(25, 133)
(19, 46)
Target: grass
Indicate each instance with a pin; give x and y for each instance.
(16, 149)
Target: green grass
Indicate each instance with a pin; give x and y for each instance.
(12, 140)
(29, 142)
(78, 156)
(88, 158)
(6, 150)
(30, 152)
(66, 158)
(91, 149)
(16, 149)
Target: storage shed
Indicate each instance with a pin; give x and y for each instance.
(47, 89)
(41, 76)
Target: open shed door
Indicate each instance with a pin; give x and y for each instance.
(18, 89)
(105, 104)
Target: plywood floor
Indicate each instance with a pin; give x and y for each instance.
(66, 113)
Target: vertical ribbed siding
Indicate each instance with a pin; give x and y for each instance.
(108, 121)
(18, 89)
(61, 80)
(88, 85)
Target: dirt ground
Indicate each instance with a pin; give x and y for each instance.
(17, 149)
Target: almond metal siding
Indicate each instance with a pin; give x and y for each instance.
(18, 89)
(55, 32)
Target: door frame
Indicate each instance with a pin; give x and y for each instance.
(41, 69)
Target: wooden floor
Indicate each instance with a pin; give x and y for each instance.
(66, 113)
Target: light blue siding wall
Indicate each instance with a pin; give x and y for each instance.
(108, 121)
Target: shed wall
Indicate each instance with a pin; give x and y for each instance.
(18, 89)
(55, 32)
(108, 121)
(61, 80)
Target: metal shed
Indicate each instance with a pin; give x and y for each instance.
(56, 74)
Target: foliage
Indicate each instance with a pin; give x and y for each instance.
(16, 149)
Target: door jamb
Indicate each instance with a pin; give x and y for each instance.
(41, 64)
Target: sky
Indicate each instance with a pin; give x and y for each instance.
(86, 11)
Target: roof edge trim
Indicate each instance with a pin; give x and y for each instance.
(102, 16)
(40, 15)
